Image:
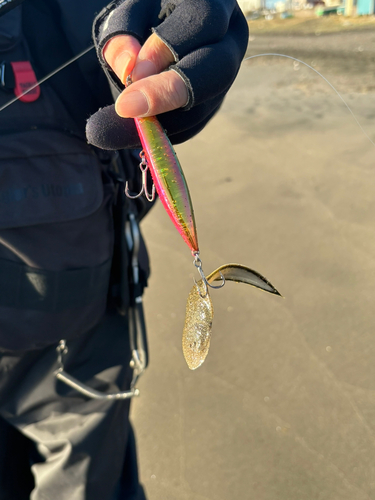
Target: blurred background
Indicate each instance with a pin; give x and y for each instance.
(283, 181)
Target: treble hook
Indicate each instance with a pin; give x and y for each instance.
(198, 264)
(144, 167)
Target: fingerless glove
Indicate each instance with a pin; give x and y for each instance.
(208, 39)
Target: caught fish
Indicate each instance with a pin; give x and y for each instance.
(159, 157)
(196, 336)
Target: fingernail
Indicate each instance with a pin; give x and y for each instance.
(143, 69)
(132, 104)
(121, 64)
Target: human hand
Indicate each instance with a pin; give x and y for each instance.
(200, 42)
(153, 91)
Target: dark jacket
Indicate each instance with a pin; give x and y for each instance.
(54, 39)
(57, 195)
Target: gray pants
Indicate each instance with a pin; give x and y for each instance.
(77, 448)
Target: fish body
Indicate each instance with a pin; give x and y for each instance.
(168, 178)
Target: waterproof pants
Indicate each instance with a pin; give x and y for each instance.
(56, 444)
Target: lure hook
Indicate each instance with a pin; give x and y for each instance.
(198, 264)
(144, 168)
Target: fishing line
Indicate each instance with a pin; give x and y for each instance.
(325, 79)
(47, 77)
(85, 51)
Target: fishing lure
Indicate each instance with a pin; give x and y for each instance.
(196, 335)
(159, 157)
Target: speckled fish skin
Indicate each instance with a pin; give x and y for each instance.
(198, 323)
(168, 177)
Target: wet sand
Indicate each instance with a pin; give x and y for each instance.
(282, 180)
(348, 58)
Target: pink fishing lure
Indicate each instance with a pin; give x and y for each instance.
(168, 178)
(170, 183)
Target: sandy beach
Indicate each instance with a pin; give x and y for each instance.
(282, 180)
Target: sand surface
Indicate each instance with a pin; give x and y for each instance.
(283, 181)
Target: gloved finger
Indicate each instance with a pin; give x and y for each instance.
(154, 57)
(184, 25)
(131, 17)
(107, 130)
(210, 70)
(153, 95)
(121, 53)
(194, 23)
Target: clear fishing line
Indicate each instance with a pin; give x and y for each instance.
(324, 78)
(47, 77)
(267, 54)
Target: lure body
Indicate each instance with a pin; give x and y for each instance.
(168, 178)
(170, 183)
(196, 336)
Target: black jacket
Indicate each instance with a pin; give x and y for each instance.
(57, 30)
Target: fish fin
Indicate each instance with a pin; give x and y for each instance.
(242, 274)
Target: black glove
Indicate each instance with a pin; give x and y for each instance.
(208, 39)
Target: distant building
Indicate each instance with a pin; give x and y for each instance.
(365, 7)
(251, 5)
(280, 6)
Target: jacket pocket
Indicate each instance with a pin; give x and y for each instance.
(56, 238)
